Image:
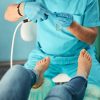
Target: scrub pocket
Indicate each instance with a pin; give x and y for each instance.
(78, 18)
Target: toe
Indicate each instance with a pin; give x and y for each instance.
(44, 60)
(47, 59)
(83, 51)
(90, 59)
(40, 61)
(86, 55)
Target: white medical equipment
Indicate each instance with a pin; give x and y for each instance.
(61, 78)
(28, 33)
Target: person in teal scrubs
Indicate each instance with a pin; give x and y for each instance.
(63, 44)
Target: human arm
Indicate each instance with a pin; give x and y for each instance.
(86, 30)
(11, 13)
(84, 34)
(32, 10)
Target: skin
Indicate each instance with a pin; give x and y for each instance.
(84, 63)
(84, 66)
(84, 34)
(41, 67)
(11, 13)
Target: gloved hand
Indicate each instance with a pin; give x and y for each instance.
(61, 19)
(35, 11)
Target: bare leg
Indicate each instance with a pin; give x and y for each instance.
(75, 88)
(40, 67)
(84, 64)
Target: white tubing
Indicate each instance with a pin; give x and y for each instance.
(12, 45)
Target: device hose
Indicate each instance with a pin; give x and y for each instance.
(12, 45)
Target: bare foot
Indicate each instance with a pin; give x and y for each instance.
(40, 68)
(84, 63)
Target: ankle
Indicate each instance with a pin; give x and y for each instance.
(83, 75)
(39, 82)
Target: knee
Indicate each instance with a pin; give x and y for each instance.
(60, 93)
(17, 70)
(16, 66)
(57, 90)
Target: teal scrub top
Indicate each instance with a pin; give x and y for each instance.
(62, 42)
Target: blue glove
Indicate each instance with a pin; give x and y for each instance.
(35, 11)
(61, 19)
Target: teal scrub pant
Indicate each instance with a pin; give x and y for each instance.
(69, 67)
